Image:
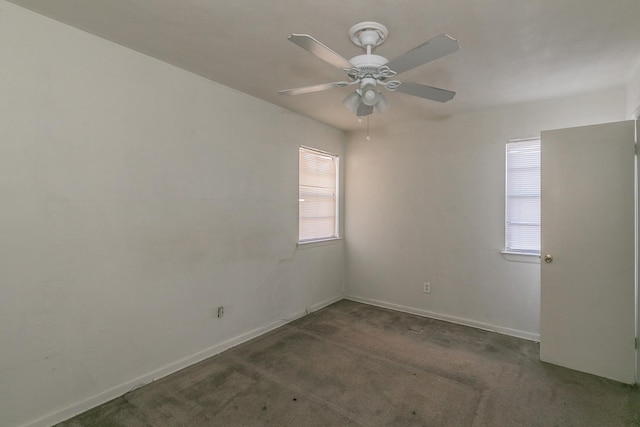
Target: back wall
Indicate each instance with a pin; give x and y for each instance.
(425, 203)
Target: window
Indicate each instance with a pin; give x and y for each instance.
(318, 195)
(522, 219)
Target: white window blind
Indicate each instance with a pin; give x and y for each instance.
(318, 191)
(522, 230)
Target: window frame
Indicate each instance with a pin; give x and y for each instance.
(509, 251)
(336, 216)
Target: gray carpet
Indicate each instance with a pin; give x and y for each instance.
(354, 364)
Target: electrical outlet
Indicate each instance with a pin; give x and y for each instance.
(427, 287)
(220, 311)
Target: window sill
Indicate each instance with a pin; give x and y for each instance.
(521, 257)
(323, 242)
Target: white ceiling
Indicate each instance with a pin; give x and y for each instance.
(512, 51)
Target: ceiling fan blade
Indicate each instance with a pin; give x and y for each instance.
(307, 42)
(364, 110)
(433, 49)
(311, 89)
(428, 92)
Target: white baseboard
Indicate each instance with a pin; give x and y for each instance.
(453, 319)
(114, 392)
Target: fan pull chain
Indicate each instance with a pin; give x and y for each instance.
(368, 137)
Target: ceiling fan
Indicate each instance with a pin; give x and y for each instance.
(368, 72)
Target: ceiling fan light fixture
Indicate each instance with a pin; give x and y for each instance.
(382, 104)
(352, 101)
(370, 95)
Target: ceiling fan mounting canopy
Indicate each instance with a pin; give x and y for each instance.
(368, 34)
(369, 71)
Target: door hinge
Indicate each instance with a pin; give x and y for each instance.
(637, 343)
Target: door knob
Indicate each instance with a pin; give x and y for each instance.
(548, 258)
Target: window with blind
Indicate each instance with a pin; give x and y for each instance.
(318, 195)
(522, 228)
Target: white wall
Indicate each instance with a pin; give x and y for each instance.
(135, 199)
(633, 94)
(425, 202)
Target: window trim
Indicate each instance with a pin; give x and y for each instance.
(319, 242)
(336, 236)
(511, 254)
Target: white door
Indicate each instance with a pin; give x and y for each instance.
(587, 320)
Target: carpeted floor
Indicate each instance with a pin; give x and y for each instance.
(355, 364)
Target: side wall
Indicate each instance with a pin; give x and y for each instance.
(426, 204)
(136, 199)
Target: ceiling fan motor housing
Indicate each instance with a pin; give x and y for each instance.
(368, 63)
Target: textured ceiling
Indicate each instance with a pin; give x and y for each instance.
(512, 51)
